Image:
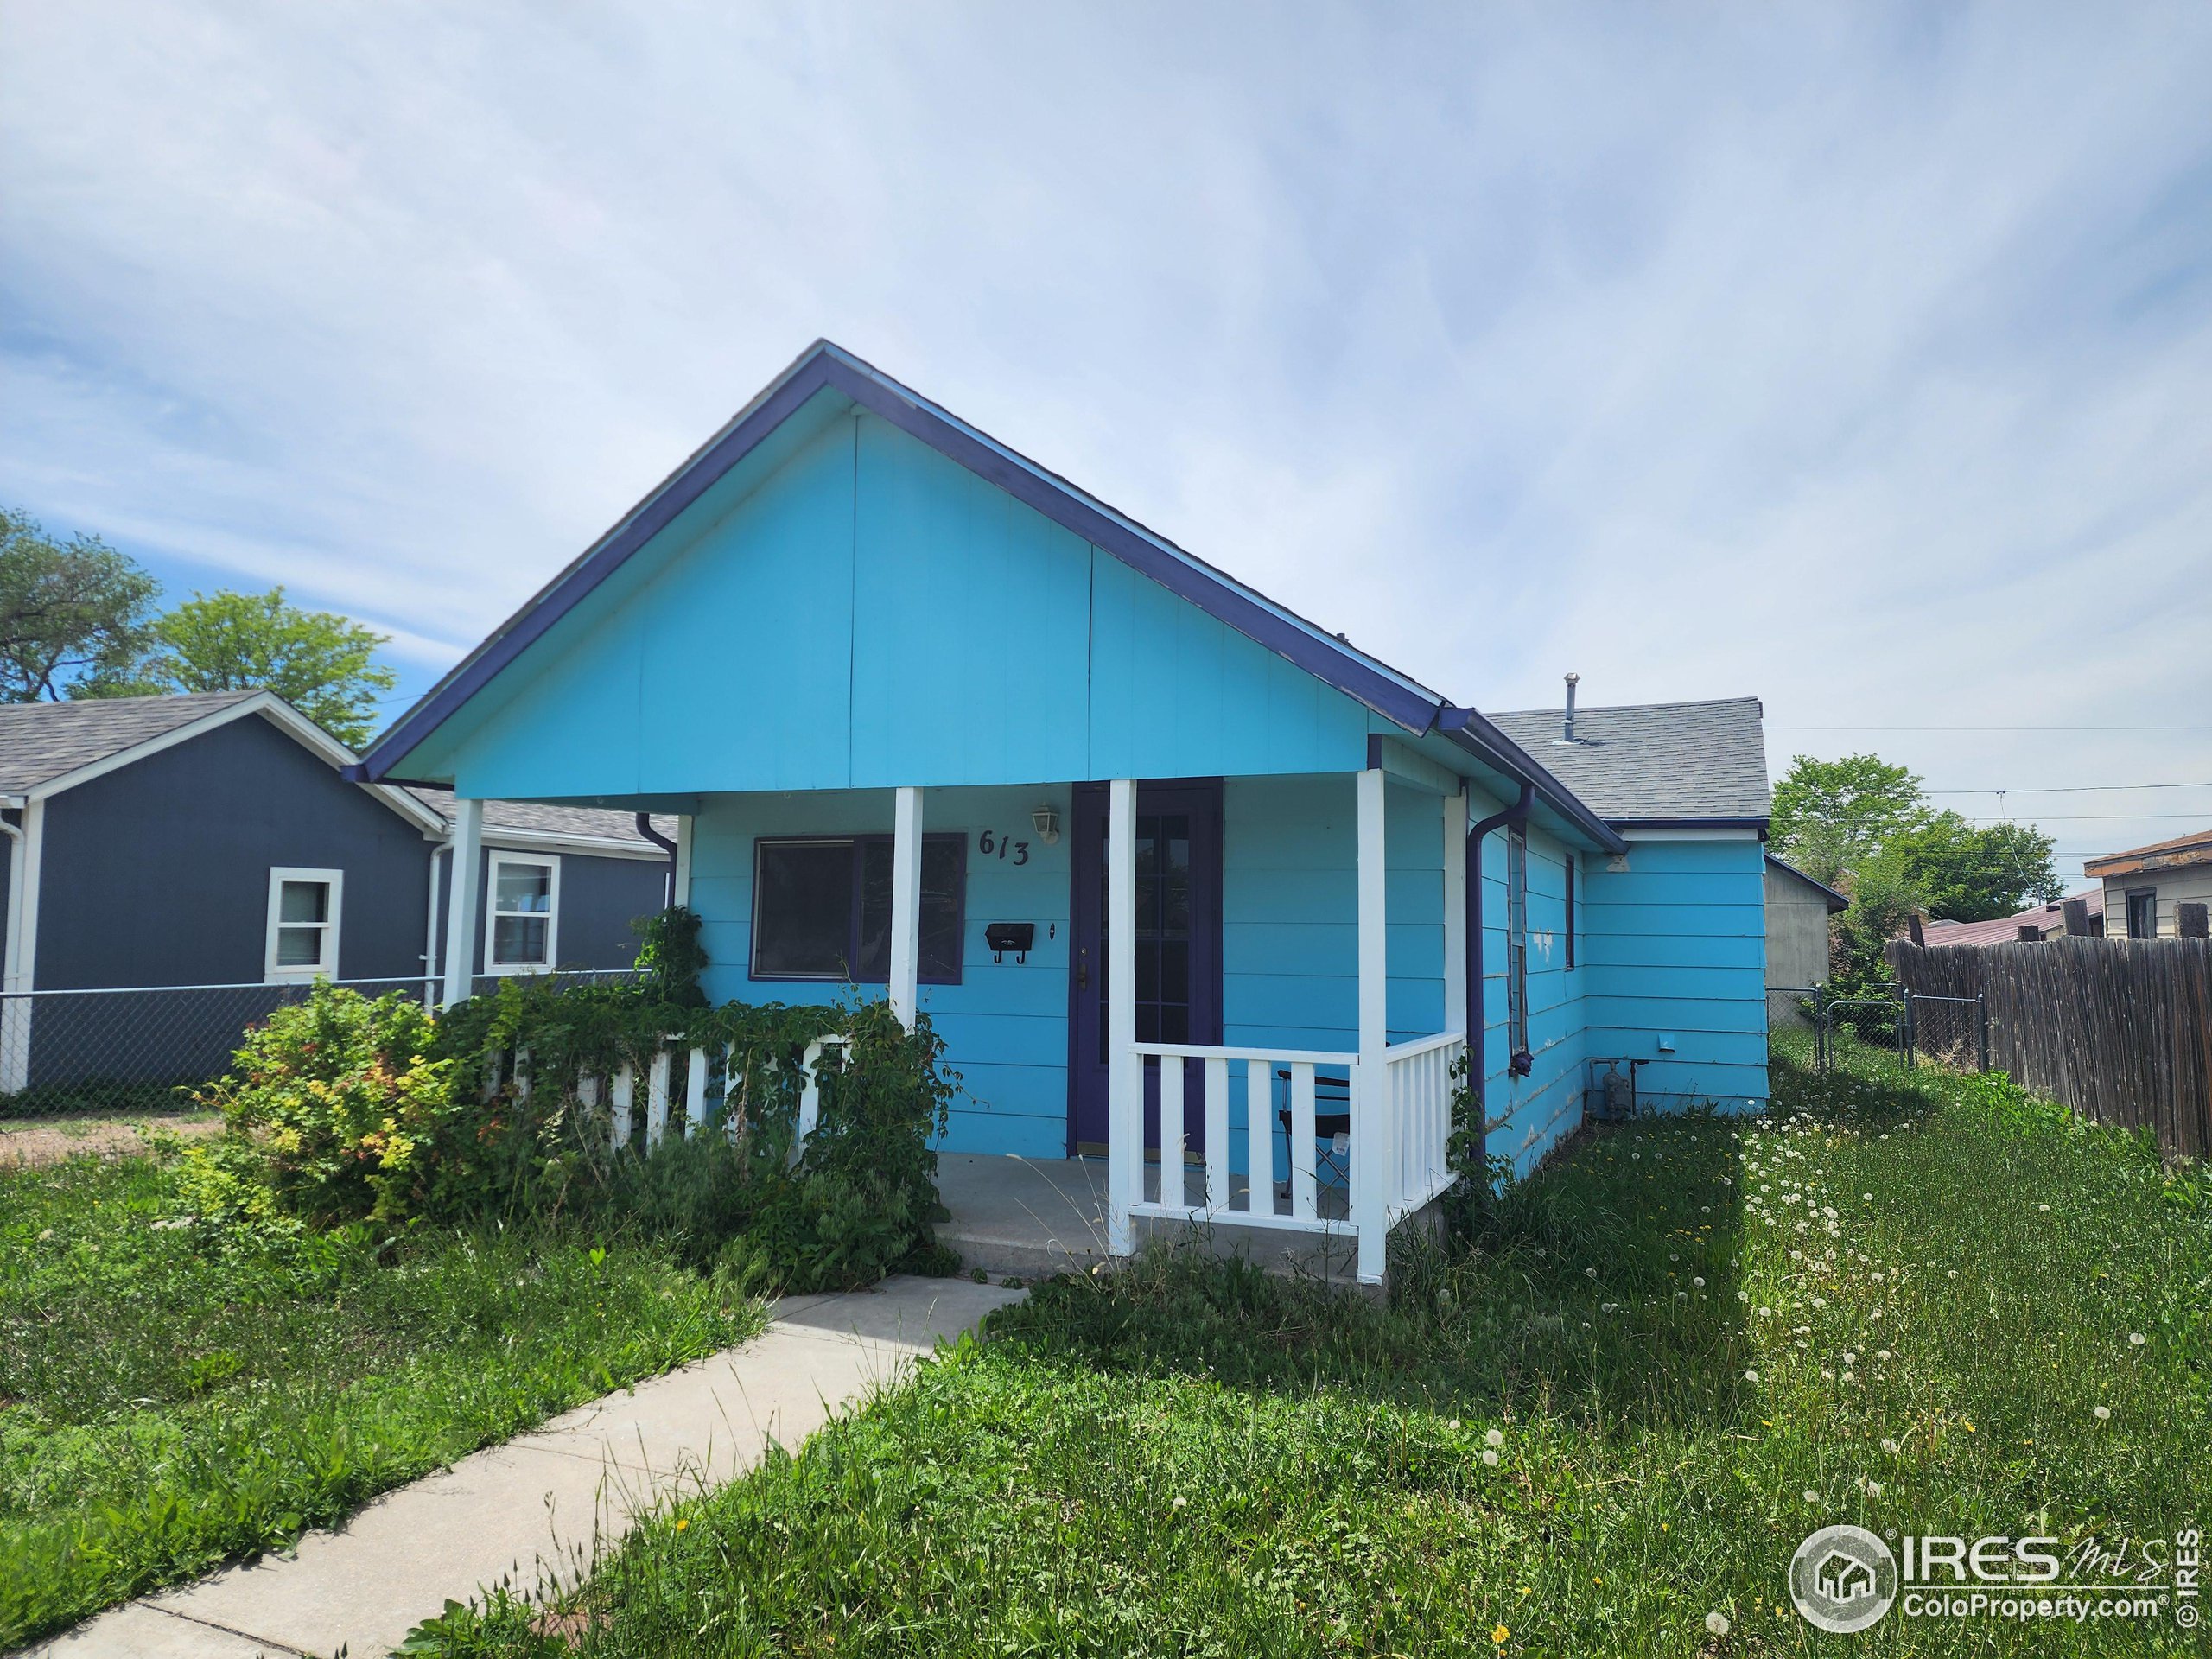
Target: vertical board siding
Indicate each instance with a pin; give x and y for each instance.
(1677, 946)
(869, 615)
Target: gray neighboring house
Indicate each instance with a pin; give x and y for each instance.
(1797, 912)
(208, 840)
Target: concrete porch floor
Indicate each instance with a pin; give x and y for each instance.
(1032, 1217)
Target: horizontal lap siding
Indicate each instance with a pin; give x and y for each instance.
(1004, 1024)
(1677, 947)
(1531, 1114)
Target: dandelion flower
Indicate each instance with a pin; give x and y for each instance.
(1751, 1376)
(2103, 1413)
(1811, 1496)
(1717, 1622)
(1873, 1488)
(1589, 1273)
(683, 1523)
(1489, 1459)
(1889, 1448)
(1454, 1423)
(1501, 1636)
(2044, 1208)
(2136, 1338)
(1494, 1437)
(1699, 1281)
(1881, 1353)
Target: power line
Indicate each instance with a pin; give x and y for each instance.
(1989, 728)
(2062, 789)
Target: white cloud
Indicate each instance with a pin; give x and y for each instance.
(1857, 359)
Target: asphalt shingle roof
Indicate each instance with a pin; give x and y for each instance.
(1648, 760)
(40, 742)
(601, 823)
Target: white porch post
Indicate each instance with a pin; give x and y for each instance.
(1124, 1071)
(906, 905)
(1455, 910)
(464, 892)
(26, 854)
(1373, 1158)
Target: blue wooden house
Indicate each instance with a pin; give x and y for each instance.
(1184, 880)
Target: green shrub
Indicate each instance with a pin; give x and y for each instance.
(329, 1115)
(344, 1108)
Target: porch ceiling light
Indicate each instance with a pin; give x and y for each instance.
(1047, 820)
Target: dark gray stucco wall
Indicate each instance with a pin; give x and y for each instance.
(599, 898)
(158, 873)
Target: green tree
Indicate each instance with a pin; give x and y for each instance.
(1828, 815)
(322, 664)
(1971, 874)
(68, 610)
(1883, 892)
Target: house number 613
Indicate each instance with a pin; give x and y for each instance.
(1004, 847)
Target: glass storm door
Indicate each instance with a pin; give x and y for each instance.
(1177, 949)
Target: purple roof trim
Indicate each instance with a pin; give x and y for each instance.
(826, 366)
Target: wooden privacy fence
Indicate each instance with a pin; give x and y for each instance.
(2119, 1029)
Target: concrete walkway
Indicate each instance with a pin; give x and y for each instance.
(543, 1505)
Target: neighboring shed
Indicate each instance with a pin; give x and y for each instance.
(2145, 887)
(1797, 912)
(1685, 784)
(158, 846)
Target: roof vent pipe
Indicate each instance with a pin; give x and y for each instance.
(1573, 680)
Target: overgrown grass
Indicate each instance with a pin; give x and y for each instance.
(1898, 1301)
(172, 1396)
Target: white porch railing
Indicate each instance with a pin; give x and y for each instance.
(663, 1110)
(1417, 1090)
(1399, 1132)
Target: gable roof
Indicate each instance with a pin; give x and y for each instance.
(825, 367)
(41, 741)
(48, 747)
(2179, 853)
(1656, 763)
(1836, 901)
(2045, 918)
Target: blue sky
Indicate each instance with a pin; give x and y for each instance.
(1857, 357)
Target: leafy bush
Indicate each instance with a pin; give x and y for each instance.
(345, 1109)
(329, 1113)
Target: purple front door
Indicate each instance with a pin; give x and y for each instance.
(1177, 949)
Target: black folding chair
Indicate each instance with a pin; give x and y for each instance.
(1327, 1126)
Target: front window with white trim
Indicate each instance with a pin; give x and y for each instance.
(522, 928)
(304, 907)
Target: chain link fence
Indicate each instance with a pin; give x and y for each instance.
(139, 1050)
(1900, 1024)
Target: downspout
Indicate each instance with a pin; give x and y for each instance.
(1477, 1067)
(668, 887)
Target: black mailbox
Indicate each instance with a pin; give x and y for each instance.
(1016, 937)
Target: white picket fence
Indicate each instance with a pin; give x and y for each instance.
(665, 1112)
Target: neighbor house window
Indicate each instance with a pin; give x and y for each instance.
(822, 908)
(522, 930)
(303, 910)
(1516, 941)
(2143, 913)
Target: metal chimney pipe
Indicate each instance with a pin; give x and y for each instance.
(1573, 680)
